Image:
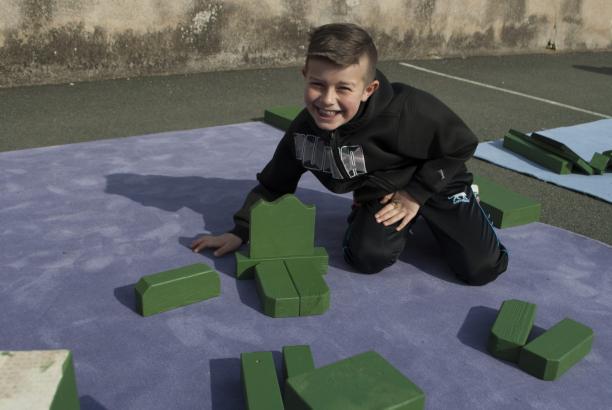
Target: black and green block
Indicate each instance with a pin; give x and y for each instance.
(42, 379)
(521, 144)
(297, 360)
(281, 117)
(511, 329)
(364, 381)
(505, 207)
(554, 352)
(174, 288)
(260, 382)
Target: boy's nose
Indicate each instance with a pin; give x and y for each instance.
(329, 97)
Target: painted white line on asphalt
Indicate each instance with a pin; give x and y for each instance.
(505, 90)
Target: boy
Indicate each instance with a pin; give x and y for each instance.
(400, 150)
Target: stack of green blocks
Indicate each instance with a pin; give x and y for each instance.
(283, 260)
(549, 355)
(364, 381)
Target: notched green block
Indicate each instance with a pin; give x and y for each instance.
(297, 360)
(281, 228)
(261, 389)
(177, 287)
(364, 381)
(600, 163)
(520, 143)
(281, 117)
(276, 290)
(556, 350)
(511, 329)
(245, 265)
(506, 208)
(38, 380)
(310, 286)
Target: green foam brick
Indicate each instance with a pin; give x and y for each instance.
(558, 349)
(560, 149)
(364, 381)
(277, 293)
(175, 288)
(600, 163)
(260, 383)
(511, 329)
(281, 117)
(297, 360)
(520, 144)
(310, 285)
(245, 265)
(506, 208)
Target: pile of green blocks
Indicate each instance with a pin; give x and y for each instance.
(364, 381)
(555, 156)
(547, 356)
(283, 260)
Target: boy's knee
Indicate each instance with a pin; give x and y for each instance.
(371, 261)
(486, 271)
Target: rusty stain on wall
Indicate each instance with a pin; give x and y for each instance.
(49, 41)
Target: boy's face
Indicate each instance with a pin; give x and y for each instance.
(332, 94)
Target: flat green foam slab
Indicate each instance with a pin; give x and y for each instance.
(277, 293)
(364, 381)
(260, 383)
(281, 228)
(43, 379)
(600, 163)
(297, 360)
(175, 288)
(245, 264)
(506, 208)
(511, 329)
(558, 349)
(519, 143)
(310, 285)
(281, 117)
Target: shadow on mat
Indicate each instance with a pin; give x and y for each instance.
(127, 297)
(598, 70)
(89, 403)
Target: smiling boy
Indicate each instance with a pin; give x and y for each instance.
(400, 151)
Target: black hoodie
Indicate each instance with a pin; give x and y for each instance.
(402, 138)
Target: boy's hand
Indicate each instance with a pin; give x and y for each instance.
(227, 242)
(400, 206)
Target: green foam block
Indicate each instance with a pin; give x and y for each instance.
(297, 360)
(310, 285)
(560, 149)
(520, 143)
(556, 350)
(261, 388)
(511, 329)
(281, 117)
(43, 379)
(600, 163)
(506, 208)
(276, 290)
(177, 287)
(245, 264)
(365, 381)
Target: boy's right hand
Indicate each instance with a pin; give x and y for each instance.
(227, 242)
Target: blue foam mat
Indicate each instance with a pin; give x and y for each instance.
(82, 223)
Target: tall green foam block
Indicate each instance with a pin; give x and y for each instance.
(277, 293)
(365, 381)
(297, 360)
(281, 228)
(511, 329)
(38, 380)
(261, 388)
(177, 287)
(558, 349)
(281, 117)
(506, 208)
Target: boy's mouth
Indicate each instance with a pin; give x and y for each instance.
(327, 114)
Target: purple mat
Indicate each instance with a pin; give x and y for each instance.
(82, 223)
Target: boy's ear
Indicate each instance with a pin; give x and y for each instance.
(369, 90)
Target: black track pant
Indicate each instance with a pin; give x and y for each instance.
(466, 238)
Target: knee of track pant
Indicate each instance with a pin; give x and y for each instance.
(485, 271)
(368, 261)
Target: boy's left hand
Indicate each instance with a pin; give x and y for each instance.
(400, 206)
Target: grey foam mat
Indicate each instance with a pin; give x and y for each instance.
(82, 223)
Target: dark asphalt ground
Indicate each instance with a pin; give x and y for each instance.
(62, 114)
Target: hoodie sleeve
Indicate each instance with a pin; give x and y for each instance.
(440, 140)
(279, 177)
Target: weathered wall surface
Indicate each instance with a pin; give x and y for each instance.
(46, 41)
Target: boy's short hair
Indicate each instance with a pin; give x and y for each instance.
(343, 44)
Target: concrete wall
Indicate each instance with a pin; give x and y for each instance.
(47, 41)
